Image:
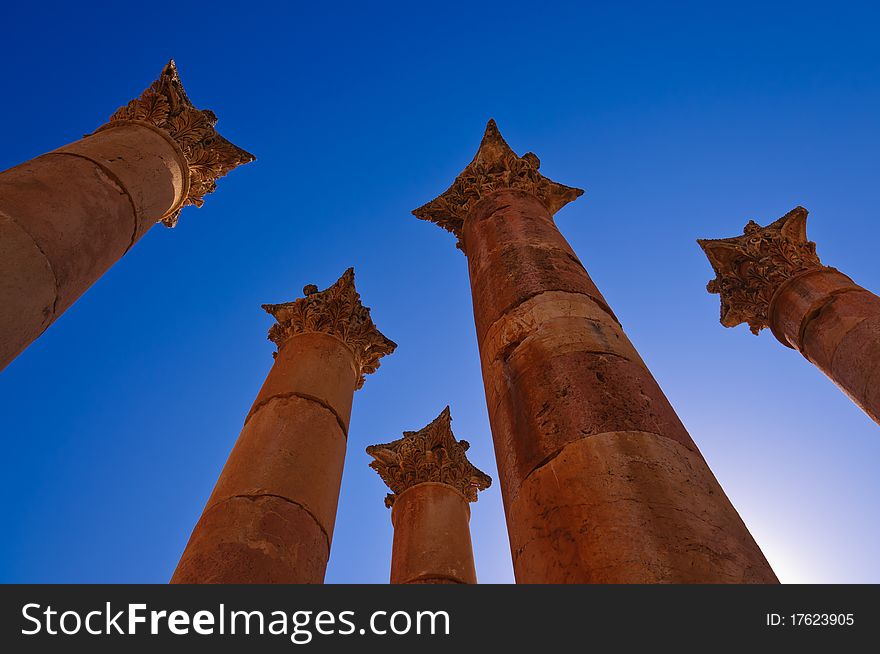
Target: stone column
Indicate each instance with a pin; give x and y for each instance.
(600, 480)
(67, 216)
(432, 485)
(771, 277)
(270, 518)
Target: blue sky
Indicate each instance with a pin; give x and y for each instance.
(681, 120)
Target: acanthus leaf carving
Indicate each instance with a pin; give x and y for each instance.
(495, 167)
(209, 156)
(750, 268)
(337, 311)
(431, 454)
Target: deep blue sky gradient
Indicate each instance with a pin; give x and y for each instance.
(680, 121)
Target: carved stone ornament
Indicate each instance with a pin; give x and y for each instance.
(337, 311)
(494, 167)
(750, 268)
(430, 454)
(209, 156)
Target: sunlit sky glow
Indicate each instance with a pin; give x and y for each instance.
(680, 120)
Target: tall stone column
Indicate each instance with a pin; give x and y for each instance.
(432, 484)
(270, 518)
(600, 480)
(771, 277)
(67, 216)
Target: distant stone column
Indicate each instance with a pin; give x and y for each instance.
(600, 480)
(270, 518)
(432, 485)
(67, 216)
(771, 277)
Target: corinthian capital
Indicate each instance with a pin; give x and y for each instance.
(494, 167)
(336, 311)
(430, 454)
(751, 268)
(209, 156)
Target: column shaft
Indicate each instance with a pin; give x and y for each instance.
(835, 324)
(67, 216)
(270, 518)
(601, 481)
(432, 539)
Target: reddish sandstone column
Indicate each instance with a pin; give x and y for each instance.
(771, 277)
(432, 485)
(600, 480)
(67, 216)
(270, 518)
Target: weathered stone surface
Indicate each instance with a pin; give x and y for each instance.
(254, 540)
(291, 448)
(629, 507)
(798, 300)
(838, 314)
(315, 366)
(856, 363)
(871, 402)
(550, 401)
(27, 286)
(515, 252)
(144, 162)
(432, 539)
(78, 216)
(432, 483)
(556, 321)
